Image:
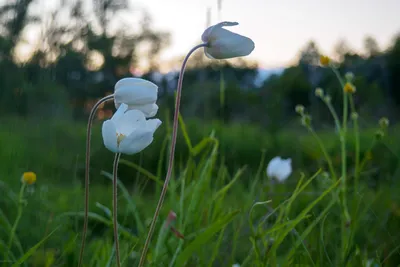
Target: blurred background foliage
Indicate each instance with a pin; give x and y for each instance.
(83, 51)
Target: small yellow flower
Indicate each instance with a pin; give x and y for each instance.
(349, 88)
(29, 178)
(324, 60)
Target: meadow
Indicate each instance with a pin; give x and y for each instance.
(339, 204)
(227, 210)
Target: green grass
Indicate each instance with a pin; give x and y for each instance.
(219, 178)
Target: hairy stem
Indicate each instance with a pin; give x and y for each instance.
(115, 207)
(171, 155)
(87, 165)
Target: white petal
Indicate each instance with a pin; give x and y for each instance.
(135, 91)
(120, 112)
(130, 121)
(231, 45)
(109, 136)
(273, 166)
(153, 124)
(279, 168)
(224, 44)
(149, 110)
(207, 34)
(140, 138)
(136, 142)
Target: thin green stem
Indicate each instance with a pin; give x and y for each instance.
(343, 139)
(327, 158)
(115, 207)
(343, 135)
(357, 145)
(326, 155)
(334, 115)
(17, 219)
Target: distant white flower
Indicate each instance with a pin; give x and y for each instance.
(372, 263)
(279, 168)
(138, 94)
(236, 265)
(224, 44)
(128, 131)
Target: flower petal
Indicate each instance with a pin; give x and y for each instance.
(140, 138)
(135, 91)
(136, 141)
(272, 166)
(130, 121)
(205, 37)
(224, 44)
(120, 112)
(153, 124)
(279, 168)
(285, 169)
(229, 45)
(109, 134)
(149, 110)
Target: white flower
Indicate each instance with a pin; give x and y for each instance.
(138, 94)
(223, 44)
(128, 131)
(279, 168)
(236, 265)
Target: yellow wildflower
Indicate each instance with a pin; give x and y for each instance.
(29, 178)
(324, 60)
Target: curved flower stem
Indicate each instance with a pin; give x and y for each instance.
(171, 155)
(115, 213)
(87, 165)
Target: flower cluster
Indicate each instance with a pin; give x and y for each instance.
(128, 131)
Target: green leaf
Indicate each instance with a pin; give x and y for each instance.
(302, 215)
(308, 230)
(128, 198)
(185, 133)
(204, 237)
(201, 146)
(228, 186)
(142, 171)
(103, 220)
(33, 249)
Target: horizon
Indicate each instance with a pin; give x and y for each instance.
(277, 46)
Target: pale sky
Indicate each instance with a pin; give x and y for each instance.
(278, 28)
